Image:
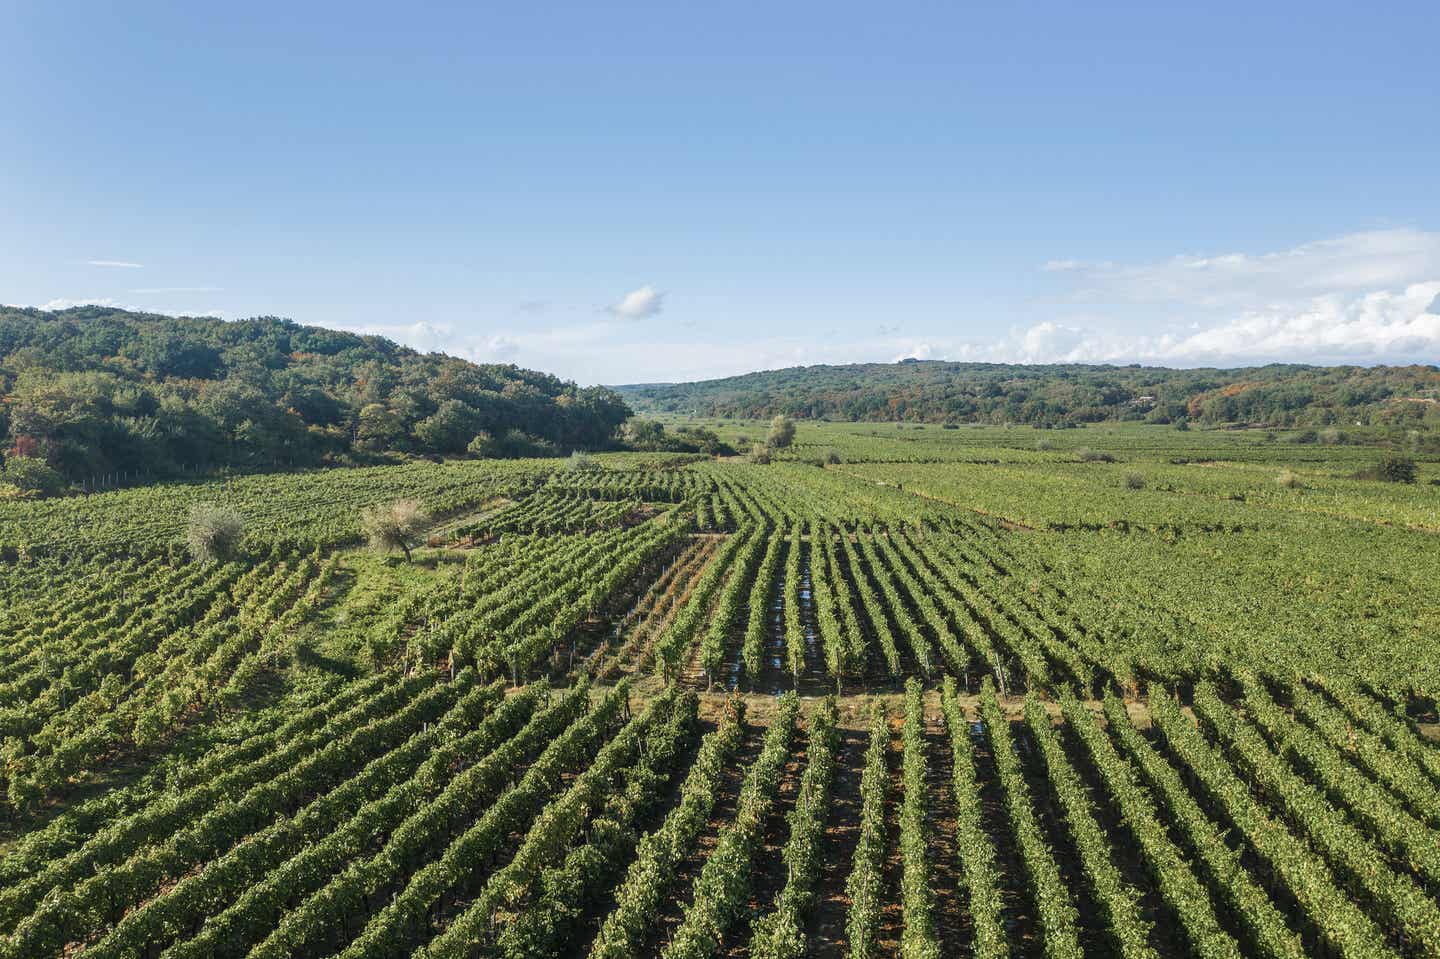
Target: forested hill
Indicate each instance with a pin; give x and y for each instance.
(1057, 395)
(93, 391)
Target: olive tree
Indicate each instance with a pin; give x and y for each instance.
(214, 533)
(394, 525)
(782, 433)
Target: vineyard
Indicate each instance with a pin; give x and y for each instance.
(898, 693)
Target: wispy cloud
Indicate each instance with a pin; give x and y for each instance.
(638, 304)
(178, 289)
(444, 338)
(121, 264)
(66, 303)
(1378, 259)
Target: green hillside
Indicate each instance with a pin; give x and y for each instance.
(1058, 395)
(93, 392)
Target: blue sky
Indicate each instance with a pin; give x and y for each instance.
(636, 192)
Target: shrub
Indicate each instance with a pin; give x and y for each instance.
(390, 526)
(1088, 455)
(1045, 446)
(483, 446)
(782, 433)
(833, 457)
(32, 476)
(1134, 481)
(1288, 479)
(581, 462)
(760, 453)
(214, 533)
(1396, 469)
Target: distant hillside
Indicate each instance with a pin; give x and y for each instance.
(91, 391)
(1059, 395)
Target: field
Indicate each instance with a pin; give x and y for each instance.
(903, 692)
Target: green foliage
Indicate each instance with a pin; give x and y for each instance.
(30, 476)
(937, 391)
(583, 463)
(109, 391)
(1396, 469)
(214, 533)
(782, 433)
(652, 436)
(395, 525)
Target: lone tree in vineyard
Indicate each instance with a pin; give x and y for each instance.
(214, 532)
(394, 525)
(782, 433)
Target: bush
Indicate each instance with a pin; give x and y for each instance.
(1396, 469)
(214, 533)
(782, 433)
(581, 462)
(760, 454)
(483, 446)
(32, 476)
(1044, 446)
(1134, 481)
(1288, 479)
(832, 457)
(1088, 455)
(394, 525)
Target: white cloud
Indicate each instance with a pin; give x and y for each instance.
(1379, 259)
(917, 351)
(178, 289)
(1368, 328)
(422, 336)
(444, 338)
(1362, 298)
(121, 264)
(494, 349)
(66, 303)
(638, 304)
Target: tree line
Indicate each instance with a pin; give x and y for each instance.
(934, 391)
(94, 391)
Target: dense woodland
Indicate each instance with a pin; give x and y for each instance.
(93, 391)
(1062, 395)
